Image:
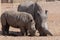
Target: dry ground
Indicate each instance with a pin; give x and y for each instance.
(53, 21)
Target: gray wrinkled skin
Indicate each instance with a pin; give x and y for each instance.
(21, 20)
(39, 16)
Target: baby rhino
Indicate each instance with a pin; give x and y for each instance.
(22, 20)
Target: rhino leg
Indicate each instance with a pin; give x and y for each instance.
(5, 26)
(26, 32)
(5, 29)
(22, 31)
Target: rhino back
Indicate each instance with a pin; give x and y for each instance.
(17, 18)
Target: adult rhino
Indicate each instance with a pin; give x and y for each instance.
(38, 14)
(22, 20)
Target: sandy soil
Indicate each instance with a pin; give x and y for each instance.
(53, 21)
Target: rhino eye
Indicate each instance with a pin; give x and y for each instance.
(31, 20)
(38, 14)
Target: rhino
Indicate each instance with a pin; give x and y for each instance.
(22, 20)
(38, 14)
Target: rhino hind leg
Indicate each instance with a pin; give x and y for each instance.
(5, 30)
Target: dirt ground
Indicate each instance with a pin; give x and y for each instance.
(53, 21)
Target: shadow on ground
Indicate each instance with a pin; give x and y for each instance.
(12, 33)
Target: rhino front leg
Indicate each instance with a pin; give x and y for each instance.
(22, 31)
(26, 32)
